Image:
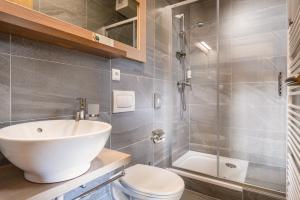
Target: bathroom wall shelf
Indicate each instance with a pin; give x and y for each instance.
(14, 186)
(28, 23)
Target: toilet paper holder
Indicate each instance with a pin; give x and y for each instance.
(158, 136)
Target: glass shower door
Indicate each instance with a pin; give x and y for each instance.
(234, 124)
(198, 153)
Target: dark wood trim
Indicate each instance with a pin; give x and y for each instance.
(28, 23)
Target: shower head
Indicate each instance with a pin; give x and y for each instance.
(200, 24)
(179, 16)
(197, 25)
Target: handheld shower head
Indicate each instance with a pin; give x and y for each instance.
(179, 16)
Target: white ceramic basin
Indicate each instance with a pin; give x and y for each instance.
(53, 151)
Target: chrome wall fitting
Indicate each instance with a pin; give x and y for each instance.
(158, 136)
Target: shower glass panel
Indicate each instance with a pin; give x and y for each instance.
(228, 55)
(252, 44)
(198, 98)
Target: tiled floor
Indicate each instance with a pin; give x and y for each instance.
(190, 195)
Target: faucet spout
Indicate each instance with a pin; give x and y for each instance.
(81, 114)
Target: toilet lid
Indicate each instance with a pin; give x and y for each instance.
(152, 180)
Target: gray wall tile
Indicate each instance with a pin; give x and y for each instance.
(42, 89)
(131, 127)
(70, 11)
(4, 43)
(142, 87)
(38, 50)
(4, 88)
(141, 152)
(132, 67)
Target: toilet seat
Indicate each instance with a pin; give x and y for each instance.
(119, 192)
(147, 182)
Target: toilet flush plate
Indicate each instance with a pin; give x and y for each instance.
(123, 101)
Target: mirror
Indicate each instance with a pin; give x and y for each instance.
(116, 19)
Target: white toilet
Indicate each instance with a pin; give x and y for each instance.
(143, 182)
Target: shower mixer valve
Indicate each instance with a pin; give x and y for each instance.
(182, 84)
(180, 54)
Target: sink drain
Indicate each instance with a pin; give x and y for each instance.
(230, 165)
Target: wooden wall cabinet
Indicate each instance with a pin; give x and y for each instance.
(18, 18)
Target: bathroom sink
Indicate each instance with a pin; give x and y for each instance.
(55, 150)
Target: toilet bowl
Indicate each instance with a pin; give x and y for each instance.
(143, 182)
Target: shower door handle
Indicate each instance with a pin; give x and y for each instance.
(279, 84)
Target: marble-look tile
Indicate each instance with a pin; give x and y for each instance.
(108, 15)
(203, 114)
(132, 67)
(70, 11)
(4, 43)
(240, 7)
(131, 127)
(180, 139)
(43, 89)
(162, 61)
(180, 151)
(261, 94)
(254, 46)
(168, 91)
(4, 88)
(266, 176)
(123, 34)
(258, 70)
(203, 11)
(38, 50)
(204, 135)
(141, 152)
(269, 145)
(162, 31)
(206, 94)
(264, 18)
(169, 75)
(204, 148)
(263, 147)
(165, 163)
(142, 87)
(244, 116)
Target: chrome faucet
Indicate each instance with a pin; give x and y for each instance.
(81, 114)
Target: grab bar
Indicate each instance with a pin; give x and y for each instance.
(293, 80)
(94, 189)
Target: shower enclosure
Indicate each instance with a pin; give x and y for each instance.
(227, 55)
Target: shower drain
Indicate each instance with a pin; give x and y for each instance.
(230, 165)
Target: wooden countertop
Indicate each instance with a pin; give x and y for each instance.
(13, 186)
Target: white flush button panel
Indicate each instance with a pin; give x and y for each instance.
(123, 101)
(115, 75)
